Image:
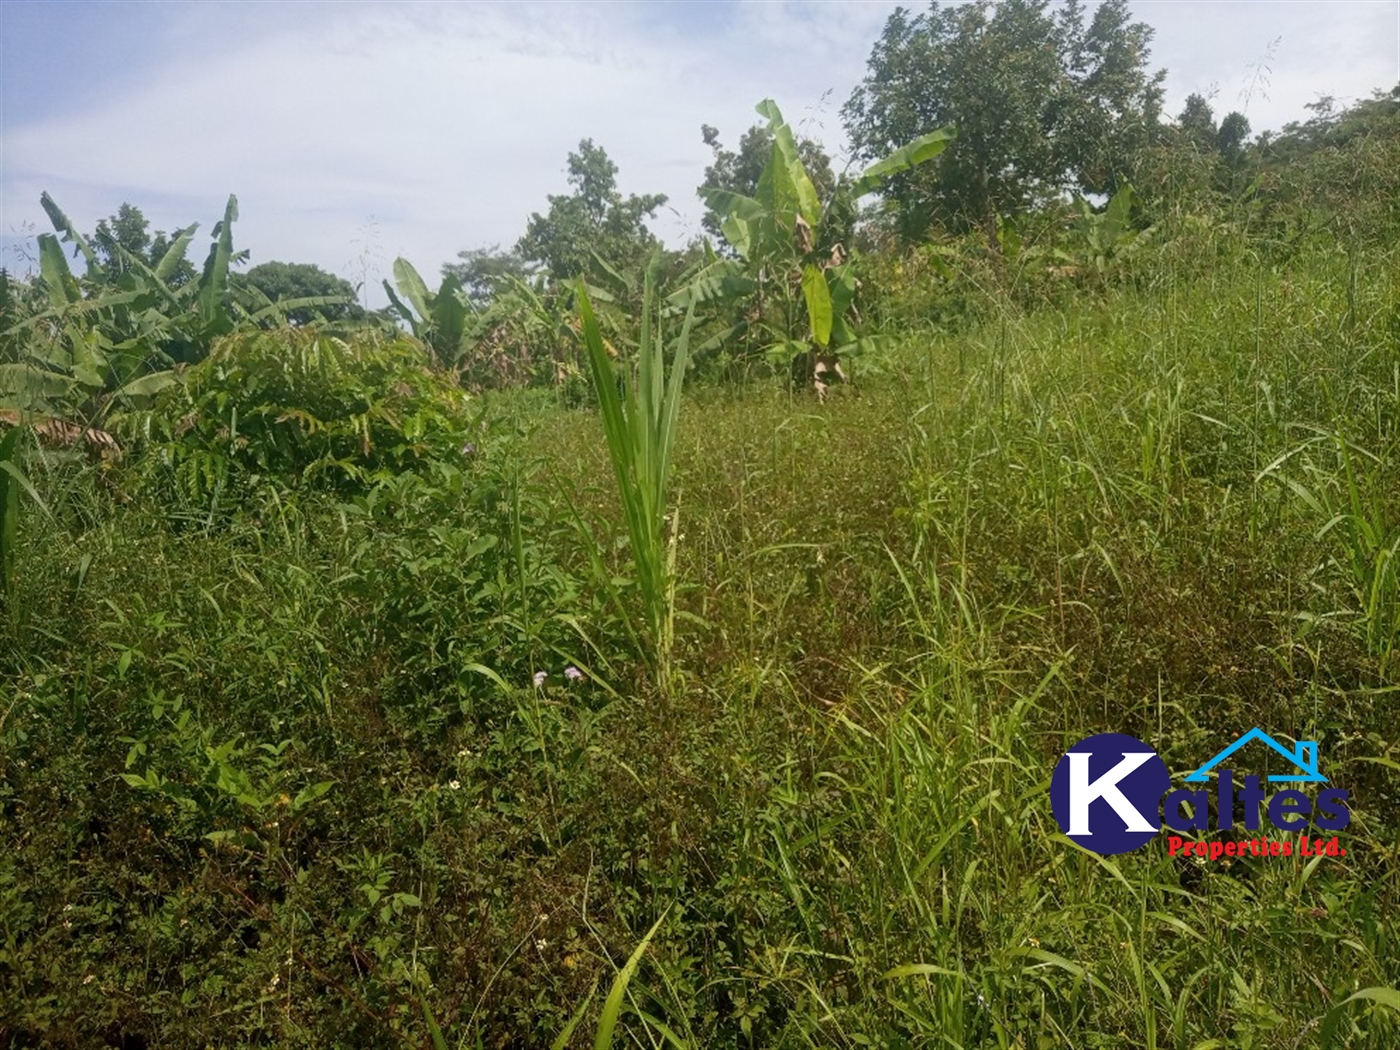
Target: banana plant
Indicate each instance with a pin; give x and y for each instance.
(107, 340)
(438, 319)
(788, 264)
(1103, 238)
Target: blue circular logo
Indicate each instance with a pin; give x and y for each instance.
(1106, 793)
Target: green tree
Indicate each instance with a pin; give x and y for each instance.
(1044, 102)
(281, 281)
(127, 235)
(593, 221)
(1196, 126)
(1231, 138)
(1196, 123)
(739, 172)
(484, 272)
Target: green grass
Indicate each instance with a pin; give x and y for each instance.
(1168, 510)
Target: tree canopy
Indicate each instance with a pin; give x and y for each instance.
(482, 271)
(286, 281)
(127, 234)
(594, 220)
(1044, 101)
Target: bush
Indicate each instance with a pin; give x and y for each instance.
(305, 410)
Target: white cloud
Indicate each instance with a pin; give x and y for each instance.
(424, 129)
(1269, 60)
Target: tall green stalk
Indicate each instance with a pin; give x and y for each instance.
(640, 424)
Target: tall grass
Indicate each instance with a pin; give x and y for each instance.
(1162, 509)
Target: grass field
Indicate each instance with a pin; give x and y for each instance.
(286, 778)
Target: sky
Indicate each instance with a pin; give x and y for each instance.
(353, 133)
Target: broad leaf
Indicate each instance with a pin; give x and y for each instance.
(784, 188)
(64, 225)
(53, 268)
(402, 310)
(818, 296)
(920, 151)
(146, 385)
(794, 179)
(412, 288)
(738, 216)
(1116, 215)
(449, 320)
(213, 283)
(721, 280)
(171, 259)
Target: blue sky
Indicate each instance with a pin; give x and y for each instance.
(356, 132)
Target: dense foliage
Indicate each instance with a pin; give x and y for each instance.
(1042, 101)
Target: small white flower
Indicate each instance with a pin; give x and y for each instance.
(572, 673)
(455, 785)
(540, 676)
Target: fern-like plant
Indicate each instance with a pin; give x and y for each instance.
(304, 409)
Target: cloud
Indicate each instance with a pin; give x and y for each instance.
(446, 124)
(1269, 60)
(353, 133)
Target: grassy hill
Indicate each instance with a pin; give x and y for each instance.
(281, 771)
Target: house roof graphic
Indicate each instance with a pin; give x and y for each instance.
(1304, 757)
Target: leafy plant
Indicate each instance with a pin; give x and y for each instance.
(640, 424)
(1104, 238)
(304, 408)
(792, 270)
(438, 319)
(112, 338)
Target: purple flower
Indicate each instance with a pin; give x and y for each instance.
(540, 676)
(572, 673)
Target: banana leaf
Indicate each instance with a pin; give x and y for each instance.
(213, 283)
(64, 225)
(412, 287)
(818, 297)
(171, 259)
(53, 268)
(920, 151)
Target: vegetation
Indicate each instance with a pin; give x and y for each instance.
(1042, 101)
(540, 670)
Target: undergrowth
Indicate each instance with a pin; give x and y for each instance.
(379, 764)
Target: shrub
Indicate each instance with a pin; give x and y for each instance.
(304, 409)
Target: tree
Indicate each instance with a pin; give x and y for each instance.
(1196, 123)
(1196, 126)
(125, 236)
(1043, 103)
(1231, 138)
(739, 172)
(595, 218)
(280, 281)
(483, 272)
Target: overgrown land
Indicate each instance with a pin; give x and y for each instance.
(566, 656)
